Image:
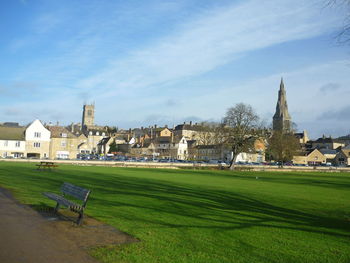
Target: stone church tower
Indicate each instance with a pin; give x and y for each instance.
(88, 116)
(282, 120)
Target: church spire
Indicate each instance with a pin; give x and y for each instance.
(282, 84)
(282, 119)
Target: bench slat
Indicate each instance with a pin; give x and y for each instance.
(75, 191)
(62, 201)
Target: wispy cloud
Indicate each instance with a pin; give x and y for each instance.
(330, 87)
(47, 22)
(127, 59)
(211, 40)
(341, 114)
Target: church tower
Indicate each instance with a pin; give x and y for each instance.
(88, 116)
(282, 120)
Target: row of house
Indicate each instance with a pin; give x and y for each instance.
(187, 141)
(37, 140)
(325, 151)
(183, 142)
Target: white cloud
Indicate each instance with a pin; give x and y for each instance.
(89, 65)
(305, 101)
(213, 39)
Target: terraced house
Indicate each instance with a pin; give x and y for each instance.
(37, 139)
(64, 144)
(32, 141)
(12, 140)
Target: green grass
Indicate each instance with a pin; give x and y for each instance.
(205, 216)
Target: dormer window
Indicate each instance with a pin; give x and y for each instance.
(90, 133)
(64, 135)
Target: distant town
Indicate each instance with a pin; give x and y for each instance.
(183, 142)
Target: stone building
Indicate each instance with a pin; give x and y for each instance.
(326, 143)
(313, 158)
(88, 119)
(282, 120)
(343, 157)
(37, 139)
(64, 144)
(12, 141)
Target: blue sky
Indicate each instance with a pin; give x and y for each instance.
(165, 62)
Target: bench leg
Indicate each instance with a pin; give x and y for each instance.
(57, 207)
(80, 218)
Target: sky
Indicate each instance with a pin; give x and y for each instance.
(168, 61)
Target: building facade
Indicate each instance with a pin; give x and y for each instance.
(37, 139)
(12, 141)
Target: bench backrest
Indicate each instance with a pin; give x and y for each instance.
(75, 191)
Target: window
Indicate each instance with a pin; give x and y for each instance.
(37, 134)
(6, 143)
(63, 143)
(18, 144)
(103, 134)
(89, 113)
(64, 135)
(37, 144)
(97, 133)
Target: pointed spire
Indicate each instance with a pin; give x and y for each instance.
(282, 84)
(282, 119)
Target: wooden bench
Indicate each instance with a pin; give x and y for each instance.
(46, 165)
(73, 191)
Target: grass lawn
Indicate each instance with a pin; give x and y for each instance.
(205, 216)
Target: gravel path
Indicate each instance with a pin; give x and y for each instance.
(27, 237)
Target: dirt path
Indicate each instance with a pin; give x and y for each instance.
(28, 237)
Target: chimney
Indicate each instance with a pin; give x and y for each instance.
(190, 123)
(155, 126)
(166, 126)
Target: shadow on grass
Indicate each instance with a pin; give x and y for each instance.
(214, 209)
(165, 204)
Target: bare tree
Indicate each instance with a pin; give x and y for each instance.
(344, 34)
(241, 128)
(283, 146)
(210, 133)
